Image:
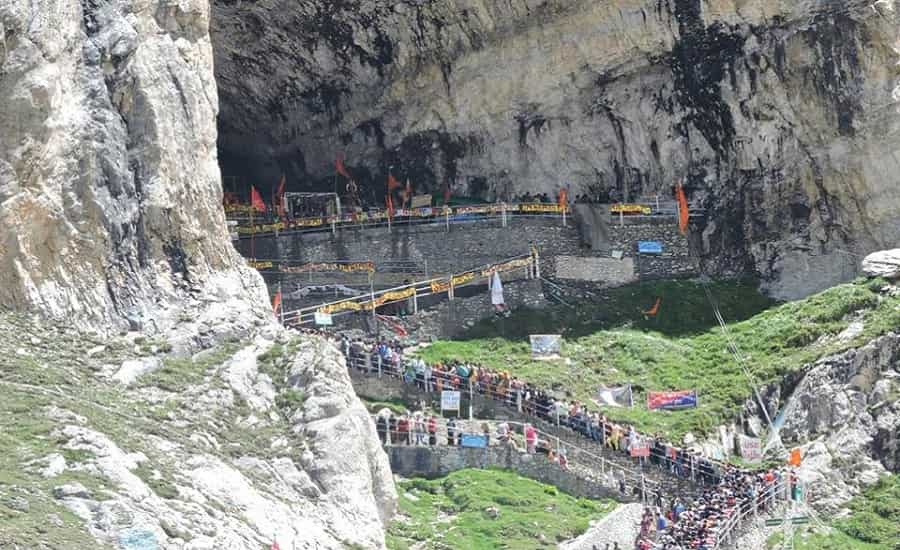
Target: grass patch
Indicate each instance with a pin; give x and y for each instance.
(453, 512)
(156, 481)
(627, 350)
(178, 373)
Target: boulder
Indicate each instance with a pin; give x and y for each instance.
(884, 263)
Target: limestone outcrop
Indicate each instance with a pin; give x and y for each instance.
(110, 193)
(844, 413)
(884, 263)
(779, 117)
(236, 447)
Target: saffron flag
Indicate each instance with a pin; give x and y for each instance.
(392, 183)
(796, 459)
(389, 202)
(407, 193)
(563, 198)
(279, 196)
(341, 169)
(683, 213)
(446, 193)
(256, 200)
(655, 309)
(276, 303)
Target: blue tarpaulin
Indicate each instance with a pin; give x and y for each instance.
(650, 247)
(474, 440)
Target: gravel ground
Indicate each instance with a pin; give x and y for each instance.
(621, 526)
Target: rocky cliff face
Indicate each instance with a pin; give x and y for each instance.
(780, 117)
(110, 193)
(121, 444)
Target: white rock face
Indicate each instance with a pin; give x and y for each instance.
(109, 181)
(319, 480)
(884, 263)
(781, 117)
(848, 428)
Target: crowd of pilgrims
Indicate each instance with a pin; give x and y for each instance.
(682, 527)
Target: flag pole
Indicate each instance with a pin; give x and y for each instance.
(252, 229)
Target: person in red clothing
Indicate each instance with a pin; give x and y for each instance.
(403, 429)
(432, 430)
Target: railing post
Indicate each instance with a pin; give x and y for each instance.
(415, 300)
(503, 213)
(380, 360)
(447, 217)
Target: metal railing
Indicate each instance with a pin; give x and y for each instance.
(418, 433)
(498, 212)
(613, 436)
(526, 265)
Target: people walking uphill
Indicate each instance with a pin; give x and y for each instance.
(382, 428)
(452, 433)
(432, 430)
(403, 430)
(531, 437)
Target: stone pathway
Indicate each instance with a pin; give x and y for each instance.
(621, 526)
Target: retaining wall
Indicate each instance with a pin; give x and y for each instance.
(440, 461)
(464, 246)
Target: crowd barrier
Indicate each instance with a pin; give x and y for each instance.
(405, 217)
(412, 292)
(492, 433)
(674, 461)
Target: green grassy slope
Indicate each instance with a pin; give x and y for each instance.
(451, 513)
(688, 352)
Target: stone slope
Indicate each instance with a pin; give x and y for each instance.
(109, 183)
(237, 446)
(780, 117)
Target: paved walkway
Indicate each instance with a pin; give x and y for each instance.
(620, 526)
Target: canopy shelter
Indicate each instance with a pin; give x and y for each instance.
(311, 205)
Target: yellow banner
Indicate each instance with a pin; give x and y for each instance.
(351, 305)
(261, 265)
(458, 280)
(352, 267)
(541, 207)
(629, 209)
(508, 266)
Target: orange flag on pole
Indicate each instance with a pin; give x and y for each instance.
(341, 169)
(276, 303)
(279, 196)
(683, 213)
(393, 183)
(563, 198)
(389, 202)
(256, 200)
(655, 309)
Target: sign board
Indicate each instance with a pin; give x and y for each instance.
(474, 441)
(671, 399)
(420, 201)
(650, 247)
(629, 209)
(545, 346)
(323, 319)
(751, 448)
(450, 400)
(640, 451)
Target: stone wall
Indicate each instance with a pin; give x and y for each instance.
(464, 246)
(440, 461)
(606, 236)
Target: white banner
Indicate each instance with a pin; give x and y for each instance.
(449, 400)
(615, 396)
(323, 319)
(751, 448)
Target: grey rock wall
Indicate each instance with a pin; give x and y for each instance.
(110, 192)
(780, 117)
